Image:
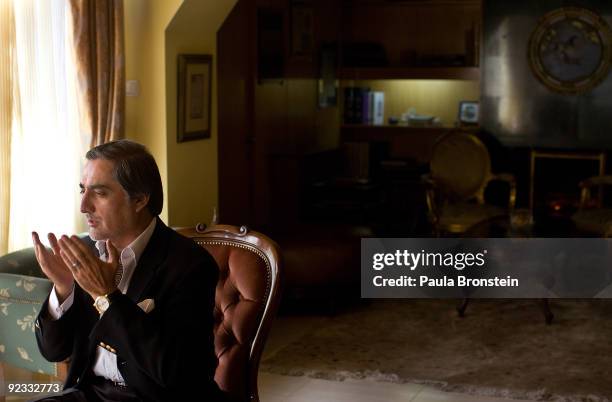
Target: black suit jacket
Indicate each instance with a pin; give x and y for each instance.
(164, 355)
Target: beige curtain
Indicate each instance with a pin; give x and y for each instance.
(45, 140)
(98, 40)
(7, 37)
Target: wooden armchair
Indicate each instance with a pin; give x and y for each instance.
(247, 297)
(460, 171)
(592, 215)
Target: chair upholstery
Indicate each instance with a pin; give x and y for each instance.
(460, 171)
(246, 301)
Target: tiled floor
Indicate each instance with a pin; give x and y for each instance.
(277, 388)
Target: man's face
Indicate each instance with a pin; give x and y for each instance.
(110, 212)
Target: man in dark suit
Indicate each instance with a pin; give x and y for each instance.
(134, 313)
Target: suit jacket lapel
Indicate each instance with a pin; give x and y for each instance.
(152, 256)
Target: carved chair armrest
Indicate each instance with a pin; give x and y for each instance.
(428, 180)
(430, 197)
(511, 181)
(596, 181)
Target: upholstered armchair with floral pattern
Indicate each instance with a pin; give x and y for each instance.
(23, 288)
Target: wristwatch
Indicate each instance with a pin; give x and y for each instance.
(102, 303)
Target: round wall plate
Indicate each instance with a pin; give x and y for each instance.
(569, 51)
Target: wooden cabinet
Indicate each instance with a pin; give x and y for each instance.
(430, 63)
(423, 33)
(419, 40)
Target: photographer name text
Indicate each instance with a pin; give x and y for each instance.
(406, 260)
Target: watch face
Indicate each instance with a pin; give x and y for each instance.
(102, 303)
(570, 49)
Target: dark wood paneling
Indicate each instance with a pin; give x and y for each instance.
(235, 72)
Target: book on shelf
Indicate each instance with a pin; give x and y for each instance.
(378, 108)
(366, 106)
(363, 106)
(360, 95)
(349, 105)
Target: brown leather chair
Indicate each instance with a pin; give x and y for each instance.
(247, 297)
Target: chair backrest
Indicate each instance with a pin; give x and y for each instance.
(246, 300)
(460, 165)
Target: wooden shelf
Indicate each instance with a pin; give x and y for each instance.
(416, 3)
(362, 132)
(420, 73)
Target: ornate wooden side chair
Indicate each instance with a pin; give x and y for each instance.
(460, 171)
(593, 216)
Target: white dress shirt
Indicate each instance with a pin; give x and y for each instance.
(105, 364)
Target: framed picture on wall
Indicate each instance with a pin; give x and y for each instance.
(194, 96)
(468, 112)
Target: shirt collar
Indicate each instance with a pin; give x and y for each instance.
(133, 250)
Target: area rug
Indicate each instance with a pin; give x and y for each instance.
(501, 348)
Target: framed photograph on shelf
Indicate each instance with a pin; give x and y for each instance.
(194, 96)
(468, 112)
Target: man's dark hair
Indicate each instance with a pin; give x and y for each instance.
(135, 169)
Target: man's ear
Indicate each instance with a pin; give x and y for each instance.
(140, 201)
